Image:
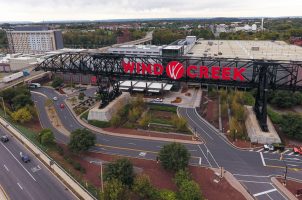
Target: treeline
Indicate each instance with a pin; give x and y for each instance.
(3, 41)
(285, 99)
(97, 38)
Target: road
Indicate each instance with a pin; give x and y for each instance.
(30, 181)
(253, 169)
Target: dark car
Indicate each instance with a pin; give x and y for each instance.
(278, 146)
(4, 138)
(25, 158)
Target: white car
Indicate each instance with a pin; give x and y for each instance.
(158, 100)
(268, 147)
(55, 98)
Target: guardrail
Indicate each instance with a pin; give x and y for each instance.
(72, 183)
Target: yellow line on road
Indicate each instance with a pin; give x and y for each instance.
(131, 149)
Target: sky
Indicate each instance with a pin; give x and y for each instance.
(41, 10)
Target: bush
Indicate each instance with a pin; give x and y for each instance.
(275, 117)
(81, 140)
(167, 195)
(181, 176)
(144, 189)
(114, 190)
(57, 82)
(179, 123)
(100, 124)
(163, 108)
(285, 99)
(291, 125)
(81, 96)
(174, 156)
(189, 190)
(22, 115)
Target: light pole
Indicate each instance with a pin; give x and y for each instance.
(3, 106)
(102, 182)
(285, 173)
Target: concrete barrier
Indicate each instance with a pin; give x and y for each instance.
(283, 189)
(72, 183)
(3, 195)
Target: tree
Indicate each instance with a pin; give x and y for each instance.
(144, 189)
(134, 114)
(189, 190)
(144, 121)
(122, 170)
(174, 156)
(179, 122)
(181, 176)
(46, 137)
(57, 82)
(167, 195)
(81, 140)
(81, 96)
(22, 115)
(291, 125)
(224, 109)
(21, 100)
(114, 190)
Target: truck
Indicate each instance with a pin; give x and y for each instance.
(15, 76)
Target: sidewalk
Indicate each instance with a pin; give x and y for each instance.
(3, 195)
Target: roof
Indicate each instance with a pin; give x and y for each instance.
(247, 49)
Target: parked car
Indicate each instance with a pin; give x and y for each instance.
(159, 100)
(297, 150)
(4, 138)
(279, 146)
(268, 147)
(25, 158)
(55, 98)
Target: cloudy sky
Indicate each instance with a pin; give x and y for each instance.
(39, 10)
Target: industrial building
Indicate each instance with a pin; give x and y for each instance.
(34, 40)
(137, 50)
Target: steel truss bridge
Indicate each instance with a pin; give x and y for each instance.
(264, 75)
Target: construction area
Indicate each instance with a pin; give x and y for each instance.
(247, 49)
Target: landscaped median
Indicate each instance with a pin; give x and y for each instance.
(50, 163)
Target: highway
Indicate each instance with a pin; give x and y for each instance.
(30, 181)
(253, 169)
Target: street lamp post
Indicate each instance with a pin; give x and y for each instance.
(285, 173)
(102, 182)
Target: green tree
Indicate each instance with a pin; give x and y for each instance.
(291, 125)
(167, 195)
(22, 115)
(46, 137)
(144, 189)
(21, 100)
(114, 190)
(189, 190)
(81, 96)
(57, 82)
(181, 176)
(174, 156)
(81, 140)
(122, 170)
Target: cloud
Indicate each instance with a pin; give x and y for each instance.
(37, 10)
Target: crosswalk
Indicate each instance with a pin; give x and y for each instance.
(288, 152)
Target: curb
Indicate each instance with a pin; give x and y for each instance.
(3, 194)
(283, 189)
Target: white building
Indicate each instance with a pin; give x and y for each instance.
(34, 40)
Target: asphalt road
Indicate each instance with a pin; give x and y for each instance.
(30, 181)
(253, 169)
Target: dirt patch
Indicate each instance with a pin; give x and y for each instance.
(148, 133)
(34, 125)
(162, 179)
(292, 186)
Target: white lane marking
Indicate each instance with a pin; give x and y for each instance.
(251, 150)
(19, 162)
(260, 150)
(193, 150)
(131, 143)
(287, 161)
(143, 154)
(158, 147)
(263, 182)
(291, 153)
(199, 161)
(208, 151)
(275, 152)
(20, 186)
(6, 168)
(204, 155)
(263, 162)
(269, 197)
(286, 151)
(198, 125)
(106, 140)
(249, 175)
(265, 192)
(292, 165)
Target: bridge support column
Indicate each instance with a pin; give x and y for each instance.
(107, 95)
(261, 98)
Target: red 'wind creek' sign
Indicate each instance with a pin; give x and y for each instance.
(175, 70)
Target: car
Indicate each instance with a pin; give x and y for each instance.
(297, 150)
(4, 138)
(55, 98)
(62, 105)
(25, 158)
(158, 100)
(268, 147)
(279, 146)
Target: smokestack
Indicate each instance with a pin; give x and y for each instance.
(262, 24)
